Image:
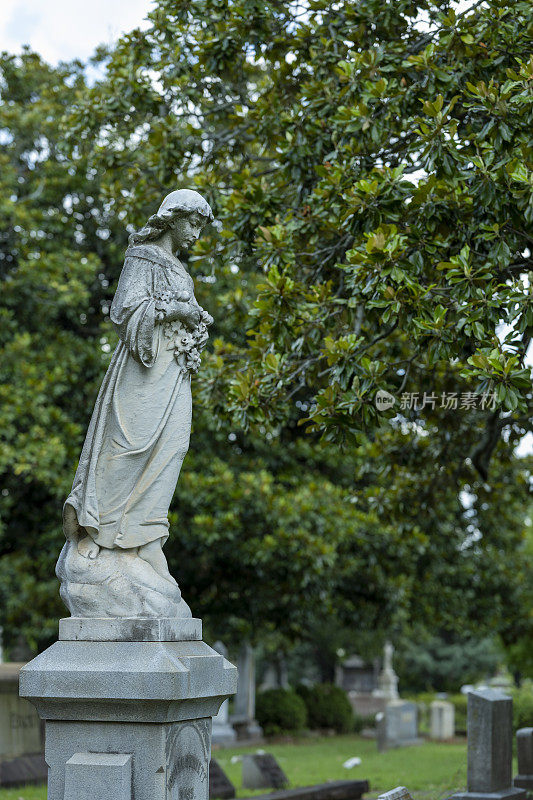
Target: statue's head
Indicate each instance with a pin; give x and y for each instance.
(182, 214)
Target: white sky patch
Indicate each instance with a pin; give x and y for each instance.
(61, 30)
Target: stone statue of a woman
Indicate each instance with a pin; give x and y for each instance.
(115, 518)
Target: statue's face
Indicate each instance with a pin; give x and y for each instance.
(186, 230)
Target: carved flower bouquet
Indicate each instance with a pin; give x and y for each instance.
(187, 343)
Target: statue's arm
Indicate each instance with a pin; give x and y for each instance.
(133, 311)
(183, 308)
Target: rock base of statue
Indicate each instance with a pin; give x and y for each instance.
(118, 583)
(127, 705)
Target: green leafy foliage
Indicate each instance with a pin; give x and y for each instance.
(55, 245)
(444, 664)
(378, 177)
(373, 183)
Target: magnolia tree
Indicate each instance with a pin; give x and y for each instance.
(372, 161)
(370, 165)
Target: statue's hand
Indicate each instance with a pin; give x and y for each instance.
(185, 312)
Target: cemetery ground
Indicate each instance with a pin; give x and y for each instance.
(431, 771)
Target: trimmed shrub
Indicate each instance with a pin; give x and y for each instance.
(280, 711)
(327, 707)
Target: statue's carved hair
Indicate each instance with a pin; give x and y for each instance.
(159, 223)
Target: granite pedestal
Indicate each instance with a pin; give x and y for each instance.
(127, 705)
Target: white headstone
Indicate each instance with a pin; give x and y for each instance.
(442, 725)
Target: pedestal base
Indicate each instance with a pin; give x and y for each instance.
(127, 718)
(150, 762)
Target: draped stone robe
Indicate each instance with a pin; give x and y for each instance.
(139, 431)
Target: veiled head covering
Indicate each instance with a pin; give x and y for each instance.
(185, 200)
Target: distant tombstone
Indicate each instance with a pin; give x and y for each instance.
(442, 725)
(276, 674)
(270, 678)
(21, 739)
(243, 719)
(220, 786)
(524, 742)
(356, 675)
(397, 726)
(502, 680)
(262, 771)
(223, 731)
(400, 793)
(490, 748)
(388, 680)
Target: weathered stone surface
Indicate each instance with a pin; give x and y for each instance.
(524, 746)
(262, 771)
(169, 761)
(153, 700)
(128, 681)
(99, 776)
(116, 584)
(442, 724)
(489, 748)
(123, 629)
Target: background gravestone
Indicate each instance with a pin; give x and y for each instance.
(220, 786)
(490, 751)
(388, 680)
(442, 725)
(354, 674)
(262, 771)
(359, 679)
(21, 733)
(524, 746)
(243, 719)
(397, 726)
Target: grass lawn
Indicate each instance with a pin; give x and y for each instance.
(431, 771)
